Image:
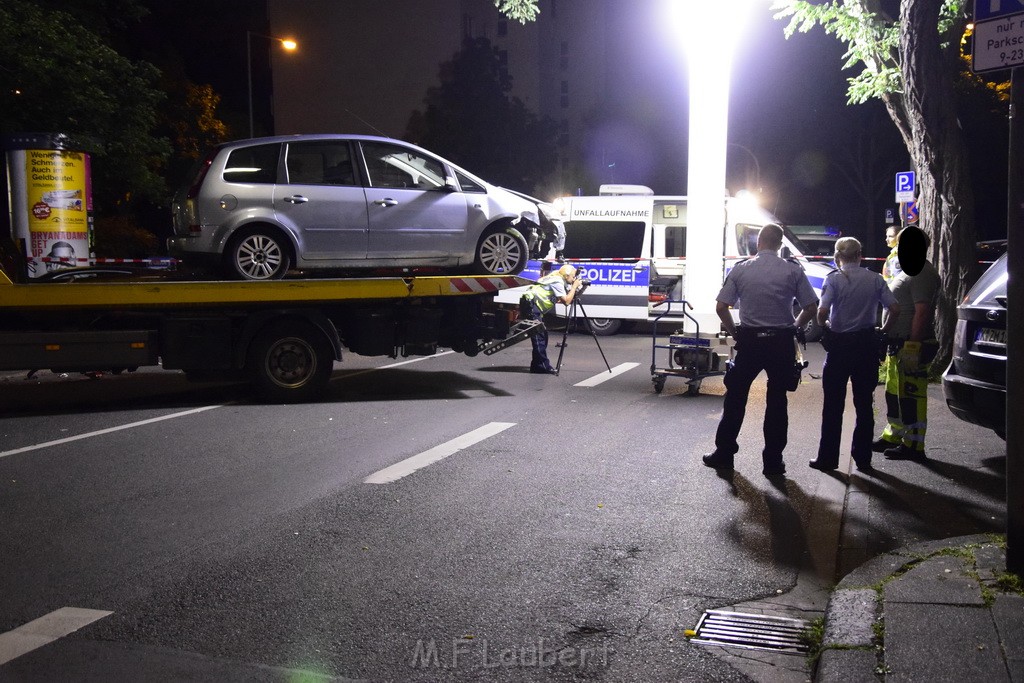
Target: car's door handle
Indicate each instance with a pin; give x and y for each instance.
(297, 199)
(386, 202)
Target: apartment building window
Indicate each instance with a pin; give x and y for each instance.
(565, 94)
(502, 28)
(563, 133)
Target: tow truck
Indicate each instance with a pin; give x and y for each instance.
(283, 336)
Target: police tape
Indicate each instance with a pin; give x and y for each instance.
(158, 261)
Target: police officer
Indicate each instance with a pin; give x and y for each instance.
(911, 349)
(538, 300)
(849, 306)
(891, 267)
(766, 285)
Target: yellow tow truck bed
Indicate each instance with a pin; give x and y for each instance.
(171, 293)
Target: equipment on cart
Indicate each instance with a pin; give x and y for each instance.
(690, 356)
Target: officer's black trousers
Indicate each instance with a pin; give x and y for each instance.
(776, 355)
(855, 360)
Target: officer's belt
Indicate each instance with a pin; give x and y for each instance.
(762, 332)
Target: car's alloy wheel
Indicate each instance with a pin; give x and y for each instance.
(501, 252)
(259, 255)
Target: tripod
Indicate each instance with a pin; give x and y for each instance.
(570, 318)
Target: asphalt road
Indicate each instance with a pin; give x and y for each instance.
(554, 531)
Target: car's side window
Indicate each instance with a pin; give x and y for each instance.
(256, 164)
(467, 184)
(392, 166)
(320, 162)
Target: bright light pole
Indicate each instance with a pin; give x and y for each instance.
(287, 43)
(757, 166)
(709, 32)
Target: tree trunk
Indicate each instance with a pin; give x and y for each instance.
(939, 155)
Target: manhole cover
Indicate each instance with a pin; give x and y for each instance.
(751, 631)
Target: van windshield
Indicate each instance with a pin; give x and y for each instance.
(604, 239)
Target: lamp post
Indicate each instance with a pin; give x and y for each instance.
(757, 165)
(287, 43)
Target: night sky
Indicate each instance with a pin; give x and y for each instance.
(788, 108)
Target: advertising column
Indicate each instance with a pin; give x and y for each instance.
(51, 200)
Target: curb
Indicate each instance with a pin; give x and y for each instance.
(850, 647)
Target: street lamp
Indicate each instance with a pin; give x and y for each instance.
(709, 32)
(287, 43)
(757, 165)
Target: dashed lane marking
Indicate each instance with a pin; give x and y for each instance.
(429, 457)
(45, 630)
(184, 413)
(605, 376)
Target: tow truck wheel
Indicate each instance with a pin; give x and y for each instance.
(502, 251)
(604, 327)
(289, 362)
(258, 254)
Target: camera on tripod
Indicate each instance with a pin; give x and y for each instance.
(584, 283)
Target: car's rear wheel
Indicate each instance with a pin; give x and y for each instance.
(258, 254)
(501, 251)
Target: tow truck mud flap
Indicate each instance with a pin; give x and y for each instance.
(78, 351)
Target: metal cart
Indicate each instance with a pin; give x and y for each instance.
(689, 356)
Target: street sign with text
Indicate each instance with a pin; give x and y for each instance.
(998, 35)
(905, 186)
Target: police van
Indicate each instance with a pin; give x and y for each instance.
(631, 245)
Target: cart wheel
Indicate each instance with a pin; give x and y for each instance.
(659, 383)
(693, 389)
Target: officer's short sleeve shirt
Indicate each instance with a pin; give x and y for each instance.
(764, 289)
(852, 296)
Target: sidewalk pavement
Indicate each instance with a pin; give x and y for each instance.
(933, 611)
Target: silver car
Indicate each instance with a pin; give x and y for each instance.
(258, 208)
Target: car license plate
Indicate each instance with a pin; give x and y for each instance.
(991, 335)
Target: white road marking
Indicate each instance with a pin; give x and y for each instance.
(45, 630)
(108, 430)
(184, 413)
(393, 365)
(605, 376)
(416, 462)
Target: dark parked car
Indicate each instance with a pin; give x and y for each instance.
(975, 382)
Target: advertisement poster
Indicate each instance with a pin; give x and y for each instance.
(59, 203)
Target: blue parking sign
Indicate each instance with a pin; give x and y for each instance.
(905, 186)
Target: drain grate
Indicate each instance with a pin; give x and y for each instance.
(751, 631)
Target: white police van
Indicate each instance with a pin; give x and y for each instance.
(631, 245)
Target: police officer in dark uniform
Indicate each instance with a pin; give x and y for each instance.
(767, 286)
(849, 304)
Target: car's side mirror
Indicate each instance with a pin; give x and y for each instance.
(451, 185)
(785, 252)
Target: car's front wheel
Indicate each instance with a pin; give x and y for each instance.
(501, 251)
(258, 254)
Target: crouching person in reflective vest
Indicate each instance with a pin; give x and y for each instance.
(558, 287)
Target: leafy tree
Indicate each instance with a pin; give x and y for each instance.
(519, 10)
(56, 75)
(910, 60)
(471, 119)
